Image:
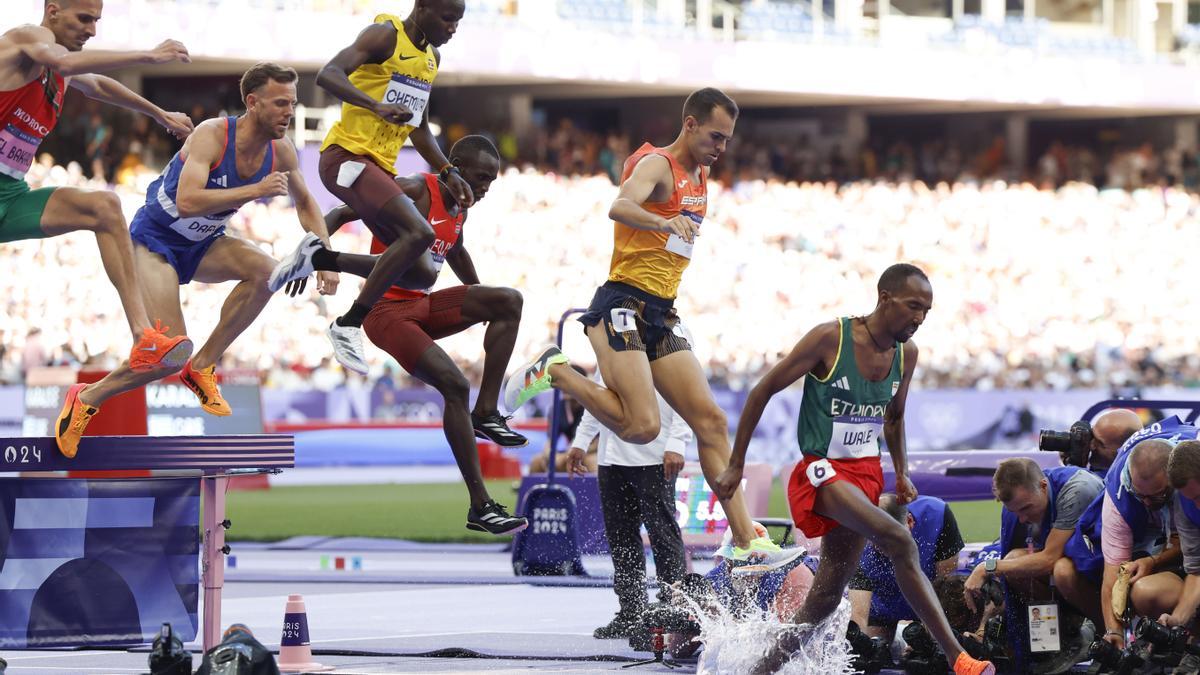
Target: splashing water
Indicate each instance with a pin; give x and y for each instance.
(735, 644)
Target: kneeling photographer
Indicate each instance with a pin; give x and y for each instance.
(1040, 511)
(1092, 446)
(877, 605)
(1183, 470)
(1124, 541)
(777, 593)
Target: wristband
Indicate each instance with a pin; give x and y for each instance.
(447, 170)
(1113, 632)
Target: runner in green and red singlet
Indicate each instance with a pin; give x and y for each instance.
(858, 372)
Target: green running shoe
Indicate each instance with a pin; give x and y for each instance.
(531, 379)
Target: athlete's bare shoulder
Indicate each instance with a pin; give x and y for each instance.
(650, 181)
(207, 139)
(415, 188)
(16, 66)
(825, 337)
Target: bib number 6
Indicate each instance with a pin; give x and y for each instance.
(819, 472)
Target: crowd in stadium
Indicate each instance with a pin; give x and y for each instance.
(1015, 264)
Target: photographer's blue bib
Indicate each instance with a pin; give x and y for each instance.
(887, 602)
(184, 241)
(1011, 527)
(1084, 547)
(769, 584)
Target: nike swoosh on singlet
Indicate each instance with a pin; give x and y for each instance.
(437, 222)
(405, 58)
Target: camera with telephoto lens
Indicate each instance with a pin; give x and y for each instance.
(670, 619)
(923, 656)
(1074, 444)
(1172, 639)
(1106, 658)
(871, 654)
(167, 655)
(230, 658)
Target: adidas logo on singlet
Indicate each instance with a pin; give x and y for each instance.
(223, 181)
(843, 383)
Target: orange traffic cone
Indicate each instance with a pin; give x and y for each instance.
(295, 655)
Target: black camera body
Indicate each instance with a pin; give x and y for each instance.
(1108, 659)
(871, 654)
(923, 657)
(1172, 639)
(167, 655)
(1073, 445)
(670, 619)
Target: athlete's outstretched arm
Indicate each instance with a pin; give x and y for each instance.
(460, 261)
(373, 45)
(893, 427)
(806, 356)
(204, 150)
(107, 90)
(37, 44)
(307, 210)
(427, 146)
(651, 178)
(423, 140)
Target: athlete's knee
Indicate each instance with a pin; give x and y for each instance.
(259, 273)
(641, 428)
(710, 426)
(106, 214)
(454, 387)
(406, 228)
(897, 543)
(509, 303)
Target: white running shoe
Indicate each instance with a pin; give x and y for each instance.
(297, 264)
(348, 347)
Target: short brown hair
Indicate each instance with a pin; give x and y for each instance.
(702, 102)
(1014, 473)
(1184, 464)
(263, 72)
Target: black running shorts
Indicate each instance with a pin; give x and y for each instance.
(635, 320)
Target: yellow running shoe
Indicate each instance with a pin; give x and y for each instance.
(72, 420)
(203, 384)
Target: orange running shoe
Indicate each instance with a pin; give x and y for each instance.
(72, 420)
(203, 384)
(965, 665)
(156, 349)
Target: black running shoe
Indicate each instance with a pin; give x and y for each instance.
(494, 427)
(621, 627)
(493, 518)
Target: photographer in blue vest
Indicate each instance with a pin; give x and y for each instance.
(876, 603)
(1124, 543)
(1041, 509)
(1183, 470)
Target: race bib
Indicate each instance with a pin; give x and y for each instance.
(411, 92)
(855, 437)
(199, 228)
(676, 244)
(819, 472)
(17, 150)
